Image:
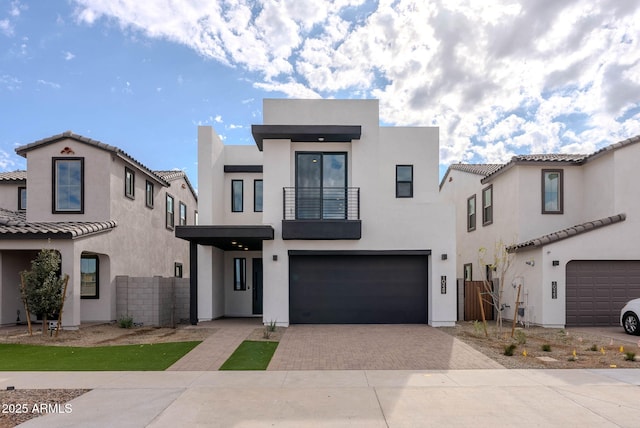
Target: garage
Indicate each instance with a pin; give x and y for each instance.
(598, 289)
(358, 287)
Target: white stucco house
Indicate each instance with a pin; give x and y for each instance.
(106, 213)
(571, 222)
(328, 218)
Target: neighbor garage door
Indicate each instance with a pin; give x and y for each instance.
(357, 289)
(598, 289)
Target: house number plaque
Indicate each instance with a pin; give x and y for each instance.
(443, 284)
(554, 289)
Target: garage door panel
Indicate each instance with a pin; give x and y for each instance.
(597, 290)
(358, 289)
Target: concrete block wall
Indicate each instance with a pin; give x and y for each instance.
(153, 301)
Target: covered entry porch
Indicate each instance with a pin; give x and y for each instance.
(226, 270)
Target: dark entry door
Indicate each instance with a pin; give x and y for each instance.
(257, 286)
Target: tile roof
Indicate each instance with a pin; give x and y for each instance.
(13, 225)
(477, 168)
(18, 175)
(175, 174)
(567, 233)
(22, 150)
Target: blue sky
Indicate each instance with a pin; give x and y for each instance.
(498, 77)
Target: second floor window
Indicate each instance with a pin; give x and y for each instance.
(552, 191)
(170, 212)
(149, 194)
(487, 205)
(68, 185)
(22, 198)
(471, 213)
(183, 214)
(237, 196)
(404, 181)
(257, 196)
(129, 183)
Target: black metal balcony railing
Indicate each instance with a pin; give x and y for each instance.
(321, 203)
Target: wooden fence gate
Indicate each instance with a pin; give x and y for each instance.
(472, 304)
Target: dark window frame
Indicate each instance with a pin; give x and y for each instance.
(177, 270)
(148, 190)
(468, 268)
(21, 206)
(170, 224)
(543, 189)
(255, 193)
(97, 259)
(399, 182)
(129, 183)
(234, 207)
(487, 211)
(321, 215)
(471, 216)
(182, 220)
(54, 192)
(239, 273)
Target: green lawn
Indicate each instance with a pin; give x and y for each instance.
(251, 355)
(14, 357)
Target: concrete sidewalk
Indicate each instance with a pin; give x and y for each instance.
(451, 398)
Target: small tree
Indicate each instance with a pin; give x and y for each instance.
(499, 263)
(42, 288)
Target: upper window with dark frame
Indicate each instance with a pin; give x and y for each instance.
(89, 276)
(129, 183)
(404, 181)
(182, 214)
(487, 205)
(237, 196)
(22, 198)
(321, 190)
(68, 185)
(471, 213)
(170, 212)
(257, 196)
(552, 191)
(149, 194)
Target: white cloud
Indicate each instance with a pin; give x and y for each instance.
(9, 82)
(68, 56)
(52, 85)
(498, 77)
(217, 119)
(6, 27)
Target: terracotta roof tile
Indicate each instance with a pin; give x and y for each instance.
(13, 225)
(18, 175)
(567, 233)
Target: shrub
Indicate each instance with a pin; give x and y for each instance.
(521, 337)
(508, 350)
(630, 356)
(546, 347)
(125, 321)
(594, 347)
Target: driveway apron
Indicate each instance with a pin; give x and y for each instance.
(374, 347)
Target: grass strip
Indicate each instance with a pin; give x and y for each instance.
(251, 355)
(151, 357)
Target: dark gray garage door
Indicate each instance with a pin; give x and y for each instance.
(357, 289)
(598, 289)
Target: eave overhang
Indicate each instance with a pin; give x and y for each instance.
(227, 238)
(306, 133)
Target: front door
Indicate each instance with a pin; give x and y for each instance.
(257, 286)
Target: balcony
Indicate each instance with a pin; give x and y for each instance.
(321, 213)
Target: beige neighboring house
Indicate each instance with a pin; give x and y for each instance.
(572, 224)
(328, 218)
(106, 213)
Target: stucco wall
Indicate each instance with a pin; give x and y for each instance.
(9, 194)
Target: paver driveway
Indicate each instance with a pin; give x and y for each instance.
(374, 347)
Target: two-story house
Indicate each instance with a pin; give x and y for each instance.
(106, 213)
(571, 224)
(329, 218)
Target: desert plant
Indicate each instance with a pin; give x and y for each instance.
(500, 264)
(546, 347)
(478, 328)
(594, 347)
(508, 350)
(42, 289)
(125, 321)
(630, 356)
(521, 337)
(272, 326)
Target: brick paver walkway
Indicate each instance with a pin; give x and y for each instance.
(374, 347)
(214, 351)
